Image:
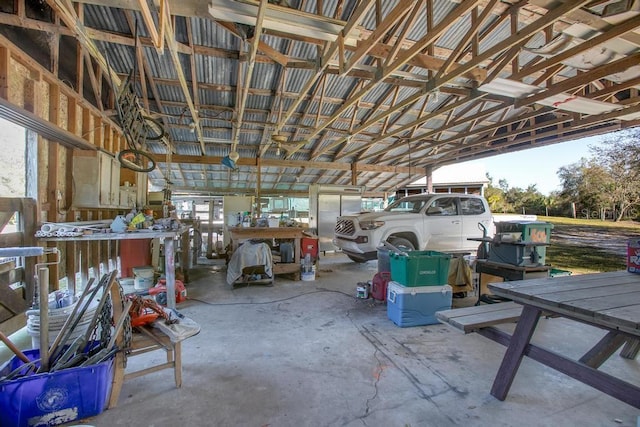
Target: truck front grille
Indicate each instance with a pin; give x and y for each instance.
(345, 227)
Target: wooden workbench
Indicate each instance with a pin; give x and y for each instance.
(240, 234)
(168, 237)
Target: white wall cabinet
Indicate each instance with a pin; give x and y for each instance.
(128, 196)
(96, 180)
(142, 185)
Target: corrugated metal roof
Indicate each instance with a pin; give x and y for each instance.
(288, 63)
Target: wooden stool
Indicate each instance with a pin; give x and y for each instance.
(144, 340)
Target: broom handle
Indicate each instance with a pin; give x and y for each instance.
(13, 348)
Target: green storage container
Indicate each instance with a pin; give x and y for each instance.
(420, 268)
(556, 272)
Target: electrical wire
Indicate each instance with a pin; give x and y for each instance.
(184, 112)
(319, 291)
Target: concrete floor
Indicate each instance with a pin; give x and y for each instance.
(311, 354)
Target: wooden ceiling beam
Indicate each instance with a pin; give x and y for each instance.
(467, 38)
(172, 46)
(215, 160)
(616, 31)
(582, 79)
(382, 28)
(363, 7)
(406, 103)
(402, 38)
(575, 125)
(404, 57)
(69, 16)
(146, 74)
(515, 39)
(194, 70)
(246, 83)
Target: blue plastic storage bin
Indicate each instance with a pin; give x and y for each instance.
(416, 306)
(50, 399)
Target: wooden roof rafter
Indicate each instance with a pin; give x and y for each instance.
(402, 59)
(363, 7)
(385, 91)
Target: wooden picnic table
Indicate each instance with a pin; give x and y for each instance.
(610, 301)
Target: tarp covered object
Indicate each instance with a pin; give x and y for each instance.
(460, 275)
(247, 255)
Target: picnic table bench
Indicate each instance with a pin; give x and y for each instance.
(474, 319)
(610, 301)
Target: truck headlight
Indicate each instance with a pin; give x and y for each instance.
(371, 225)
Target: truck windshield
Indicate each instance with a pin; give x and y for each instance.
(406, 205)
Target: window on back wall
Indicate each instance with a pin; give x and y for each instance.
(13, 171)
(12, 177)
(12, 157)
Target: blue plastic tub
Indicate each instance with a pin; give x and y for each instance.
(55, 398)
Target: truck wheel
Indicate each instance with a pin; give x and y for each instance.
(402, 244)
(355, 259)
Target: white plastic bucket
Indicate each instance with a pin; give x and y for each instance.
(143, 277)
(57, 318)
(308, 276)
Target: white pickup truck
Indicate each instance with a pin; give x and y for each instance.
(439, 222)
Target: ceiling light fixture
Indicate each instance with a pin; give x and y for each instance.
(192, 126)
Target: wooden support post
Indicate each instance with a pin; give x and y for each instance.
(354, 174)
(95, 258)
(43, 294)
(184, 255)
(210, 228)
(170, 271)
(120, 362)
(5, 59)
(71, 265)
(85, 249)
(259, 183)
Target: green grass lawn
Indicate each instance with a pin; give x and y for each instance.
(588, 259)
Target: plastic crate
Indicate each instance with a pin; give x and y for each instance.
(50, 399)
(420, 268)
